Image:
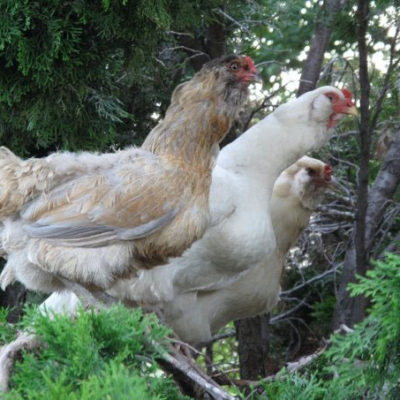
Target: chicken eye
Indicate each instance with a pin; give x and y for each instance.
(329, 96)
(234, 67)
(310, 171)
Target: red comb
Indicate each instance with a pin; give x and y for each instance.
(347, 93)
(250, 62)
(328, 171)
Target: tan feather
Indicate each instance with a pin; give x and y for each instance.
(144, 205)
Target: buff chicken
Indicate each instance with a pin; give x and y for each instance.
(83, 221)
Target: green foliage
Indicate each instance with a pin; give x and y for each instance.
(66, 70)
(57, 82)
(275, 41)
(363, 364)
(7, 331)
(99, 355)
(323, 310)
(367, 361)
(306, 387)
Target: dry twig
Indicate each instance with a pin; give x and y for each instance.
(9, 353)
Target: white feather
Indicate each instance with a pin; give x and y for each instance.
(242, 181)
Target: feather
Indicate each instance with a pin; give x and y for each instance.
(99, 217)
(196, 316)
(234, 270)
(245, 173)
(95, 236)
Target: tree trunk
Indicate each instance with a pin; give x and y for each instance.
(350, 310)
(253, 346)
(319, 44)
(383, 190)
(361, 256)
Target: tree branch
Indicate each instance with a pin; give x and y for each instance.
(191, 378)
(9, 353)
(308, 282)
(382, 191)
(323, 30)
(365, 139)
(386, 82)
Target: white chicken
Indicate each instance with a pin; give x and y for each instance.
(297, 193)
(196, 316)
(241, 233)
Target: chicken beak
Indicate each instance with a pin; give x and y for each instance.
(352, 111)
(332, 184)
(257, 77)
(253, 77)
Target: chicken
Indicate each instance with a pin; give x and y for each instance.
(197, 315)
(97, 218)
(241, 233)
(297, 193)
(206, 279)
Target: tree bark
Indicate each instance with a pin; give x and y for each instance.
(319, 44)
(253, 346)
(350, 310)
(383, 190)
(361, 258)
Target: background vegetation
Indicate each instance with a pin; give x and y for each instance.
(98, 75)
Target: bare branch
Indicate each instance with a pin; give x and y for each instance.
(231, 19)
(304, 361)
(319, 44)
(347, 215)
(280, 317)
(9, 353)
(308, 282)
(386, 81)
(179, 33)
(181, 368)
(222, 336)
(188, 49)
